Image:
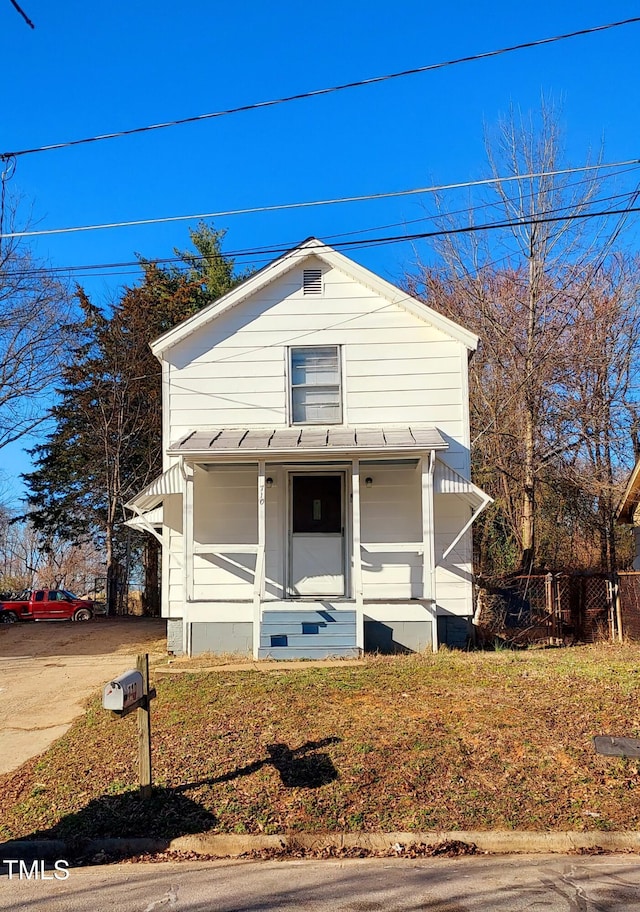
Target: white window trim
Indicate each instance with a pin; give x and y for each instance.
(290, 385)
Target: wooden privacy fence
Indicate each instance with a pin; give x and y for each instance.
(559, 608)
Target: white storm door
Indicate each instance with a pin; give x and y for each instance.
(316, 547)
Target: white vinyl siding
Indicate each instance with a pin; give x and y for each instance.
(391, 512)
(376, 363)
(396, 368)
(172, 562)
(225, 510)
(453, 575)
(316, 390)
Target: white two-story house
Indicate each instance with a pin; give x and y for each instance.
(316, 496)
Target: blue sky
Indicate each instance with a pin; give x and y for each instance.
(93, 68)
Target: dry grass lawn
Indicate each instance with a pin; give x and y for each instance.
(451, 741)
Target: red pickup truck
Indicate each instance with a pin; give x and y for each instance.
(46, 605)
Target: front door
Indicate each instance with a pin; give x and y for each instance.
(316, 548)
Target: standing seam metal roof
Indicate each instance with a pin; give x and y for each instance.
(308, 437)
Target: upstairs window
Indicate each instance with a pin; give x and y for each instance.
(316, 394)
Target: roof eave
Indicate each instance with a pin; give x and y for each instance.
(231, 299)
(313, 247)
(631, 497)
(272, 454)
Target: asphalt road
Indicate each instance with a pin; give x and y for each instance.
(474, 884)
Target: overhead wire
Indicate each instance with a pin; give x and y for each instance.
(17, 6)
(624, 215)
(279, 207)
(497, 203)
(324, 91)
(360, 243)
(331, 238)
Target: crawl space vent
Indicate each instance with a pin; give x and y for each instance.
(312, 281)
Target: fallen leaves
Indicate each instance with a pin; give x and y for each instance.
(451, 741)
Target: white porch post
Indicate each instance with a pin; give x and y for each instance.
(187, 548)
(258, 581)
(429, 543)
(357, 553)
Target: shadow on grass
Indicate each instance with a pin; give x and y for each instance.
(164, 815)
(168, 813)
(301, 767)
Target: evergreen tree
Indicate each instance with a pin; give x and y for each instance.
(106, 445)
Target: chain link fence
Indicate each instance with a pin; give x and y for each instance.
(560, 609)
(629, 598)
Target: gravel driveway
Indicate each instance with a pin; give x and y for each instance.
(48, 669)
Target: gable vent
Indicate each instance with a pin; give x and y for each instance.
(312, 281)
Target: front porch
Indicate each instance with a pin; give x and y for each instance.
(316, 554)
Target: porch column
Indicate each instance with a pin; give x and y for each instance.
(258, 580)
(357, 553)
(187, 531)
(427, 464)
(187, 550)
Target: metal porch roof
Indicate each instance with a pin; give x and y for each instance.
(287, 441)
(170, 482)
(448, 481)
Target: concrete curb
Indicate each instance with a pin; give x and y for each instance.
(499, 842)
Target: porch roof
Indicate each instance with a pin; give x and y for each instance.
(448, 481)
(144, 520)
(170, 482)
(268, 443)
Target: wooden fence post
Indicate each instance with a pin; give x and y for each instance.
(548, 594)
(618, 604)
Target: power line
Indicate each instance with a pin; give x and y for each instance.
(359, 244)
(492, 204)
(279, 207)
(325, 91)
(22, 13)
(517, 223)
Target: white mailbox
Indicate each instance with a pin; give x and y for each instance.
(123, 692)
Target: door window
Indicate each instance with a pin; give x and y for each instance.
(317, 503)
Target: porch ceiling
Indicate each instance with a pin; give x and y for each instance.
(268, 443)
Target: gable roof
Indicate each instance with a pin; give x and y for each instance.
(312, 247)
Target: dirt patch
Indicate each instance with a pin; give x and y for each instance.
(48, 670)
(103, 636)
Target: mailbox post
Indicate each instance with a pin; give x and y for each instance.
(124, 694)
(144, 729)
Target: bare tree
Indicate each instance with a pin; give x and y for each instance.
(34, 313)
(522, 289)
(602, 401)
(24, 563)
